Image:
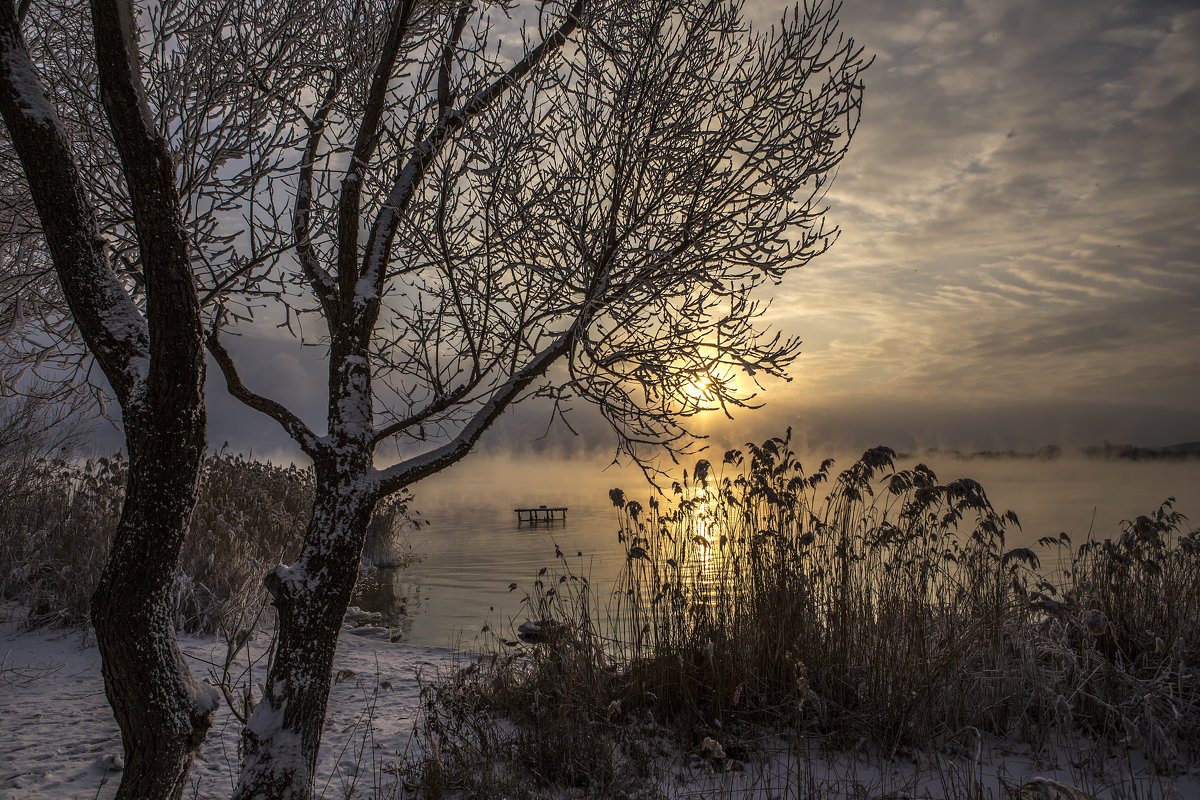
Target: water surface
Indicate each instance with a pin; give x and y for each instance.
(473, 549)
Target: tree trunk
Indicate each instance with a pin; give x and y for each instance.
(155, 366)
(163, 712)
(282, 738)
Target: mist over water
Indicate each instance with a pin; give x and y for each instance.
(473, 548)
(1077, 495)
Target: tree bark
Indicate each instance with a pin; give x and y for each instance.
(155, 365)
(163, 712)
(282, 738)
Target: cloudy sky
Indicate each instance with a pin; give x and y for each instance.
(1020, 256)
(1020, 253)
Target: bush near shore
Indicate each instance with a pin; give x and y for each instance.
(877, 608)
(59, 514)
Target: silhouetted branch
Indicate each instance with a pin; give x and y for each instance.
(292, 424)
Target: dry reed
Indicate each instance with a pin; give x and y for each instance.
(877, 608)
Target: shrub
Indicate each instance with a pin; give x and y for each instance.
(54, 531)
(59, 516)
(249, 516)
(880, 606)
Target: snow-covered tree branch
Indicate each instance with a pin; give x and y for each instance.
(153, 361)
(134, 139)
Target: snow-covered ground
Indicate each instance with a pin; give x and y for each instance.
(58, 738)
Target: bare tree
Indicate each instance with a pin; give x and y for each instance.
(585, 212)
(116, 217)
(154, 364)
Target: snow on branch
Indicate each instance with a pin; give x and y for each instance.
(383, 231)
(631, 176)
(365, 143)
(104, 312)
(321, 281)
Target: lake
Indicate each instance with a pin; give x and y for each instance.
(473, 548)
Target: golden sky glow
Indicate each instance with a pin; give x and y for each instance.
(699, 389)
(1019, 261)
(1021, 227)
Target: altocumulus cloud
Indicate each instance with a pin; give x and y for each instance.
(1019, 215)
(1020, 258)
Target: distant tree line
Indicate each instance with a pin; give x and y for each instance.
(1176, 452)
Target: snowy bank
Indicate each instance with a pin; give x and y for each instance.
(60, 739)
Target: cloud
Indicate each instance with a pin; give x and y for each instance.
(1020, 255)
(1018, 213)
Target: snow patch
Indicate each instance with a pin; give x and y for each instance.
(50, 682)
(266, 721)
(292, 578)
(204, 697)
(26, 85)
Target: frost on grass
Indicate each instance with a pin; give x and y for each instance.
(889, 616)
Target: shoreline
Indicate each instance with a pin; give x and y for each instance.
(61, 740)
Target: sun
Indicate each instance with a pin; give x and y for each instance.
(701, 388)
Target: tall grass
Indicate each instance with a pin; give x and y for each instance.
(877, 608)
(54, 532)
(757, 595)
(59, 514)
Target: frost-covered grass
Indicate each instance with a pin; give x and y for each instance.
(878, 613)
(58, 516)
(775, 633)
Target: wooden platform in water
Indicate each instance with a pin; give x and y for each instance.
(541, 514)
